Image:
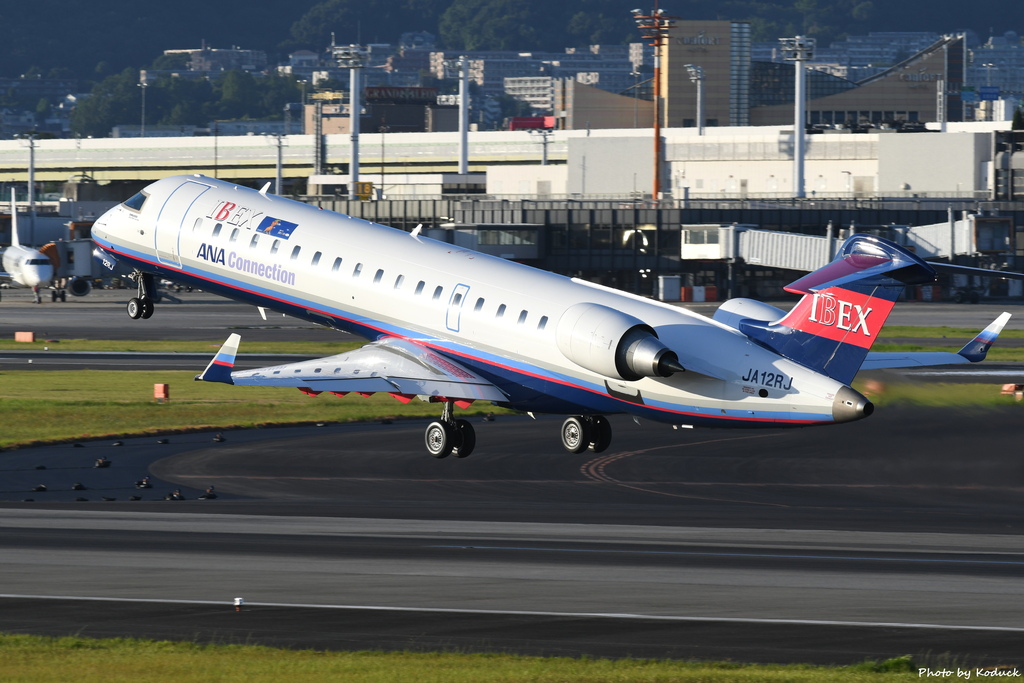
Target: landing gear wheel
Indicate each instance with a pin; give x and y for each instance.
(147, 308)
(53, 296)
(467, 439)
(134, 308)
(601, 433)
(575, 434)
(440, 439)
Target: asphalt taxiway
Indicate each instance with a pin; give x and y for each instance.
(899, 534)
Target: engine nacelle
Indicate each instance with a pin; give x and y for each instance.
(733, 311)
(79, 286)
(613, 344)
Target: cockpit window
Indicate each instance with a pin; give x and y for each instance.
(38, 262)
(136, 202)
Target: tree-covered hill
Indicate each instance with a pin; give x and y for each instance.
(102, 37)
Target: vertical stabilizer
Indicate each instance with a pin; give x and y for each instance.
(845, 304)
(15, 242)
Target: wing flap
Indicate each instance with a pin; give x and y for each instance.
(390, 365)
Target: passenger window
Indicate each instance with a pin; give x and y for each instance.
(357, 270)
(543, 322)
(295, 252)
(398, 281)
(234, 235)
(274, 246)
(479, 304)
(522, 318)
(337, 264)
(501, 312)
(457, 299)
(316, 259)
(437, 292)
(378, 275)
(419, 287)
(216, 229)
(254, 241)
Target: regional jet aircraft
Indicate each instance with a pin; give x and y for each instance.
(455, 326)
(24, 265)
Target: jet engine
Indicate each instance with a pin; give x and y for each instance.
(79, 286)
(613, 344)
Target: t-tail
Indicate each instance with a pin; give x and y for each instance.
(845, 304)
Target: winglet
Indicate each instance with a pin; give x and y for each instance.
(976, 349)
(219, 369)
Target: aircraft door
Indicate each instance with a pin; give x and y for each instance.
(172, 217)
(455, 307)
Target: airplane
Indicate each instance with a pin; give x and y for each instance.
(24, 265)
(454, 326)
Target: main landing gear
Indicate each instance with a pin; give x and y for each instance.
(449, 436)
(141, 306)
(582, 432)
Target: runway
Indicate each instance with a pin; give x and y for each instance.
(899, 534)
(829, 545)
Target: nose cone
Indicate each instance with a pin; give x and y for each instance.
(40, 275)
(850, 405)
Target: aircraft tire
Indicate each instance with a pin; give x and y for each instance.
(134, 308)
(575, 434)
(440, 439)
(147, 308)
(601, 433)
(467, 439)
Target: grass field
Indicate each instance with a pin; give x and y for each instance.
(39, 659)
(49, 406)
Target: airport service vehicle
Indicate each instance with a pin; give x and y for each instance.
(455, 326)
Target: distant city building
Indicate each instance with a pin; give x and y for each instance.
(998, 64)
(211, 60)
(907, 92)
(722, 50)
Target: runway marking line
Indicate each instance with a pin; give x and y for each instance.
(595, 470)
(533, 613)
(694, 553)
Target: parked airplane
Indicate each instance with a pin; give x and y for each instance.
(455, 326)
(24, 265)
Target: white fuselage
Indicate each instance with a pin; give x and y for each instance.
(498, 317)
(28, 267)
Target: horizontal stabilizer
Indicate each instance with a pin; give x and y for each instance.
(972, 352)
(980, 272)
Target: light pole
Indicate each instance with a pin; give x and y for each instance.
(544, 134)
(798, 50)
(143, 83)
(654, 27)
(353, 57)
(460, 67)
(697, 77)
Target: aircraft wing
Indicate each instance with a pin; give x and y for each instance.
(398, 367)
(974, 351)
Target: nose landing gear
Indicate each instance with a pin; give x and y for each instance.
(141, 306)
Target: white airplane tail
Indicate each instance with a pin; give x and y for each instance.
(15, 242)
